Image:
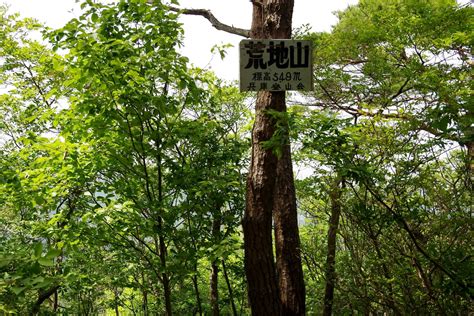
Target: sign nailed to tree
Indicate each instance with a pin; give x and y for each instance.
(275, 65)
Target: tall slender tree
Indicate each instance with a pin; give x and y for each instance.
(270, 191)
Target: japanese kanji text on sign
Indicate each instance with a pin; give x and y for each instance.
(275, 65)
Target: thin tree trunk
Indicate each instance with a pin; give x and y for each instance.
(470, 163)
(116, 302)
(214, 289)
(335, 197)
(145, 296)
(164, 276)
(425, 281)
(145, 303)
(229, 288)
(161, 240)
(195, 269)
(386, 272)
(43, 296)
(216, 227)
(55, 301)
(196, 291)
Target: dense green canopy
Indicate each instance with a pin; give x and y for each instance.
(122, 167)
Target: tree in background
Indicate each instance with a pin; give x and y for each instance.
(400, 70)
(144, 160)
(33, 168)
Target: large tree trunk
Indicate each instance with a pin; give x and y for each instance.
(270, 191)
(287, 241)
(257, 223)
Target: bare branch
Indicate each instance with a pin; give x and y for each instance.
(214, 21)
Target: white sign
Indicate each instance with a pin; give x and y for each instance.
(275, 65)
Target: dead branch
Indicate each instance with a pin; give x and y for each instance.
(214, 21)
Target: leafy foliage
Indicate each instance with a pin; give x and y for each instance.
(392, 77)
(121, 169)
(124, 191)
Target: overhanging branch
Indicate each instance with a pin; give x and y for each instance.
(214, 21)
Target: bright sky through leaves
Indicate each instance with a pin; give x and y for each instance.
(200, 36)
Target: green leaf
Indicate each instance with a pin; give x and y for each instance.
(38, 249)
(17, 290)
(45, 283)
(38, 279)
(53, 253)
(94, 17)
(442, 123)
(4, 262)
(46, 262)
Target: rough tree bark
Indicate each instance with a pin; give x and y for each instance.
(287, 241)
(257, 223)
(270, 192)
(272, 289)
